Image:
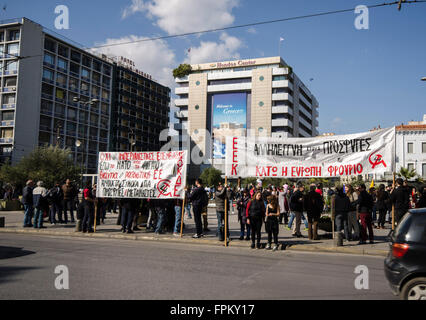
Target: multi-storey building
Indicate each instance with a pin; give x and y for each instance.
(140, 111)
(262, 96)
(53, 93)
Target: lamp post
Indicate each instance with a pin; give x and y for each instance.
(78, 145)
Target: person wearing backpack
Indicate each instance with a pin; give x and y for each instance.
(199, 200)
(365, 208)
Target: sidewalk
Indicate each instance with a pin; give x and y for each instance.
(110, 230)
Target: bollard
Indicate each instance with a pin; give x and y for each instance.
(2, 222)
(338, 239)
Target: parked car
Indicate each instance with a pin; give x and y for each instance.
(405, 266)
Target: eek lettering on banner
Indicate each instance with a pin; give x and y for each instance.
(142, 175)
(322, 157)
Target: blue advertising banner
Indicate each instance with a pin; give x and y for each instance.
(229, 119)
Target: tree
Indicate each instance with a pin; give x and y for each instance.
(47, 164)
(211, 177)
(182, 71)
(407, 174)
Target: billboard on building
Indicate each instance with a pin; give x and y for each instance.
(229, 113)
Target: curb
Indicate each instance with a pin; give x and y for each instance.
(288, 247)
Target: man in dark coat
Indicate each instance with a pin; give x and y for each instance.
(314, 205)
(400, 199)
(198, 197)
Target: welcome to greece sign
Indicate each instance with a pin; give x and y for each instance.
(145, 175)
(321, 157)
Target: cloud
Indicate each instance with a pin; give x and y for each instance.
(208, 51)
(152, 57)
(182, 16)
(136, 6)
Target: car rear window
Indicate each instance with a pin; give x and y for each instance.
(412, 229)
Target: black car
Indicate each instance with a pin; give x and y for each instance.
(405, 267)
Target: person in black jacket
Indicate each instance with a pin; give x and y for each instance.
(314, 205)
(198, 197)
(365, 208)
(341, 206)
(400, 199)
(27, 201)
(255, 215)
(422, 201)
(55, 198)
(382, 205)
(296, 206)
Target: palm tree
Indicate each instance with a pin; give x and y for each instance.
(407, 174)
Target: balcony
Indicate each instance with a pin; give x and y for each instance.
(9, 123)
(8, 106)
(182, 90)
(230, 87)
(282, 97)
(282, 84)
(282, 123)
(305, 123)
(181, 102)
(282, 109)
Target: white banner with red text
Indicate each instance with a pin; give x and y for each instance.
(320, 157)
(142, 175)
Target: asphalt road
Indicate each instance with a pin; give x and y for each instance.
(114, 269)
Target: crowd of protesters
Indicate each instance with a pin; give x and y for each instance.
(356, 211)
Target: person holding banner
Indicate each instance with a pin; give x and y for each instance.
(178, 217)
(255, 216)
(223, 194)
(128, 208)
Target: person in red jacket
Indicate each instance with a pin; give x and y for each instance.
(255, 216)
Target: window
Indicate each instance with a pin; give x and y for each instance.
(75, 68)
(48, 74)
(87, 61)
(12, 67)
(96, 77)
(424, 170)
(72, 114)
(1, 35)
(423, 147)
(62, 64)
(60, 94)
(97, 65)
(61, 79)
(107, 70)
(46, 107)
(96, 92)
(410, 147)
(106, 82)
(10, 82)
(104, 123)
(93, 133)
(60, 111)
(105, 94)
(63, 51)
(85, 73)
(410, 166)
(73, 84)
(44, 138)
(279, 78)
(70, 142)
(13, 49)
(50, 45)
(48, 58)
(105, 108)
(8, 99)
(14, 35)
(85, 87)
(93, 146)
(94, 119)
(8, 116)
(75, 56)
(71, 128)
(7, 133)
(47, 89)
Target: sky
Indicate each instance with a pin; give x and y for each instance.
(361, 78)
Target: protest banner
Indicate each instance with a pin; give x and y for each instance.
(319, 157)
(142, 175)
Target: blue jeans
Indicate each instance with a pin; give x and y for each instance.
(188, 210)
(55, 208)
(342, 224)
(126, 218)
(161, 214)
(38, 218)
(293, 216)
(245, 226)
(29, 212)
(219, 215)
(178, 219)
